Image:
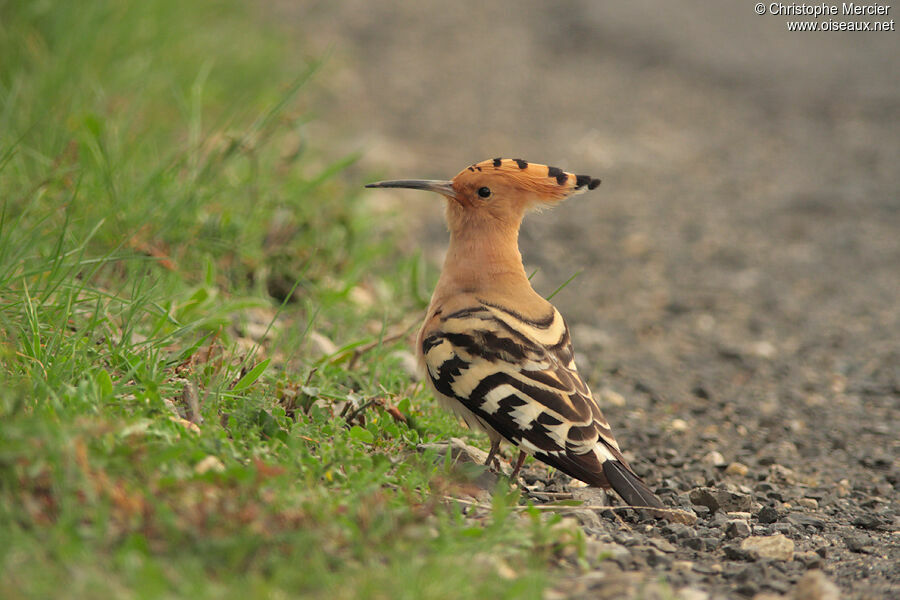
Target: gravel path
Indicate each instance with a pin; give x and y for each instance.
(740, 265)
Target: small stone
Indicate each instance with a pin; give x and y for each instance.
(842, 489)
(704, 497)
(708, 569)
(654, 557)
(868, 522)
(809, 559)
(784, 528)
(776, 547)
(719, 519)
(736, 528)
(611, 397)
(737, 468)
(677, 530)
(702, 512)
(661, 544)
(755, 573)
(767, 515)
(856, 542)
(814, 585)
(678, 425)
(810, 503)
(714, 458)
(710, 543)
(737, 553)
(716, 499)
(597, 551)
(694, 543)
(781, 474)
(682, 565)
(736, 514)
(804, 520)
(588, 518)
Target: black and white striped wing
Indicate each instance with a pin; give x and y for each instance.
(518, 376)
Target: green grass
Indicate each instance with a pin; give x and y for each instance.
(170, 239)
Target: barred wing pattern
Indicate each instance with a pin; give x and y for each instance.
(517, 377)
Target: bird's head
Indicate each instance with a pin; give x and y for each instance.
(498, 191)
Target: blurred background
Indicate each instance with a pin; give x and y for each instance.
(750, 181)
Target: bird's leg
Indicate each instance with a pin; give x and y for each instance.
(519, 462)
(492, 455)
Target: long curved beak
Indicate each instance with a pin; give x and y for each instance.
(444, 188)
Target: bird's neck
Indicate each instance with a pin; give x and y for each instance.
(481, 259)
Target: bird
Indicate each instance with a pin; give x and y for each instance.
(497, 353)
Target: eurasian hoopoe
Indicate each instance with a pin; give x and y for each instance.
(496, 352)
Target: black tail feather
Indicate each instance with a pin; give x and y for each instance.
(629, 486)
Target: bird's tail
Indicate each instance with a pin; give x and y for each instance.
(629, 486)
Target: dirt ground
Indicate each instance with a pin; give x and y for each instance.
(739, 266)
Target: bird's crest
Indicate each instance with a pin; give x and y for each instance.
(551, 183)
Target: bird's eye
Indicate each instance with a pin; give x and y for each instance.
(484, 192)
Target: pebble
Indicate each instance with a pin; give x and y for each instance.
(678, 425)
(708, 568)
(656, 558)
(677, 530)
(714, 458)
(802, 520)
(710, 543)
(663, 545)
(736, 514)
(609, 396)
(682, 565)
(588, 519)
(737, 468)
(868, 522)
(702, 512)
(737, 553)
(596, 551)
(776, 547)
(842, 489)
(716, 499)
(755, 572)
(737, 528)
(694, 543)
(767, 515)
(809, 559)
(783, 528)
(856, 542)
(782, 475)
(814, 585)
(810, 503)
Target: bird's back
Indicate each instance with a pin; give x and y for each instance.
(515, 373)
